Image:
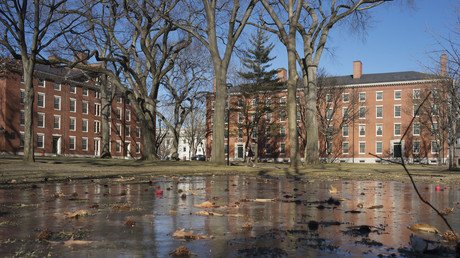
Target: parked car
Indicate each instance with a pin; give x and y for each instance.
(199, 157)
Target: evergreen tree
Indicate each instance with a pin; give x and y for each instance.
(256, 59)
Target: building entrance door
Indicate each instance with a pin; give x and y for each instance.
(56, 145)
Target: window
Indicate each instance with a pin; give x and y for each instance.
(434, 147)
(345, 131)
(97, 126)
(345, 97)
(397, 129)
(84, 107)
(379, 130)
(97, 94)
(128, 115)
(72, 123)
(118, 129)
(85, 92)
(138, 147)
(283, 115)
(22, 96)
(434, 128)
(379, 112)
(416, 147)
(127, 130)
(329, 147)
(328, 98)
(41, 120)
(120, 100)
(283, 148)
(41, 83)
(22, 118)
(84, 144)
(21, 139)
(434, 110)
(268, 103)
(379, 95)
(41, 100)
(435, 93)
(362, 96)
(40, 141)
(72, 89)
(397, 110)
(283, 101)
(57, 102)
(254, 102)
(72, 142)
(329, 113)
(362, 112)
(362, 130)
(84, 125)
(362, 147)
(118, 146)
(397, 94)
(97, 109)
(22, 78)
(416, 129)
(118, 113)
(282, 131)
(269, 116)
(345, 112)
(378, 148)
(57, 122)
(240, 132)
(138, 132)
(345, 147)
(415, 109)
(240, 103)
(184, 149)
(57, 86)
(73, 105)
(416, 93)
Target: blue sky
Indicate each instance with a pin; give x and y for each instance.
(399, 39)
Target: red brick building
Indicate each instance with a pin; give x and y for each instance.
(67, 114)
(359, 115)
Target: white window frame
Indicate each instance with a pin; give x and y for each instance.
(376, 111)
(359, 130)
(377, 129)
(119, 113)
(345, 112)
(85, 103)
(419, 147)
(419, 129)
(97, 126)
(44, 119)
(44, 99)
(118, 131)
(97, 109)
(74, 138)
(127, 132)
(359, 96)
(22, 115)
(128, 115)
(394, 94)
(74, 124)
(22, 96)
(348, 148)
(343, 97)
(84, 121)
(43, 141)
(21, 139)
(87, 143)
(414, 96)
(41, 83)
(431, 147)
(377, 94)
(85, 91)
(359, 147)
(58, 88)
(377, 149)
(54, 102)
(73, 89)
(59, 123)
(118, 146)
(138, 147)
(138, 132)
(343, 131)
(328, 98)
(394, 111)
(394, 129)
(359, 112)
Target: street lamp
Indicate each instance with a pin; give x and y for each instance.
(229, 85)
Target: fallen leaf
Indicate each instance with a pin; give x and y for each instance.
(182, 234)
(181, 251)
(76, 214)
(424, 228)
(450, 236)
(447, 211)
(375, 207)
(264, 200)
(332, 190)
(72, 242)
(206, 204)
(207, 213)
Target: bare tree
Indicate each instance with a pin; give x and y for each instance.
(195, 127)
(184, 86)
(28, 28)
(212, 22)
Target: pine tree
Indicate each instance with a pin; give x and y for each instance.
(256, 59)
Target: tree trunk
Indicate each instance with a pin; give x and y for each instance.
(218, 128)
(291, 104)
(146, 117)
(28, 71)
(175, 145)
(311, 127)
(106, 103)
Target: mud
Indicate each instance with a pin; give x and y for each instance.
(258, 216)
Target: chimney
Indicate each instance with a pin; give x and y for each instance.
(443, 62)
(357, 69)
(281, 75)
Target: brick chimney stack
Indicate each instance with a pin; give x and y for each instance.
(357, 69)
(281, 75)
(443, 62)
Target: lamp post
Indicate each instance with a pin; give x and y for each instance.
(229, 85)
